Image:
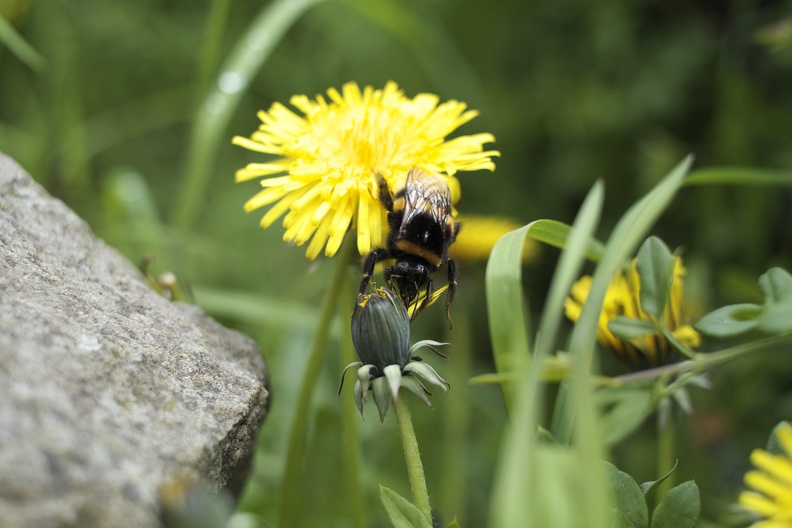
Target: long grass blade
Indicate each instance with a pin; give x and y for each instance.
(520, 490)
(250, 53)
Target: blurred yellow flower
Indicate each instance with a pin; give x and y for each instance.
(772, 484)
(623, 299)
(329, 156)
(479, 234)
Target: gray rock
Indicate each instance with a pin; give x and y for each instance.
(107, 389)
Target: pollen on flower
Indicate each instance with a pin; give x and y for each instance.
(323, 178)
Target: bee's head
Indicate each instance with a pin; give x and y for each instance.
(409, 278)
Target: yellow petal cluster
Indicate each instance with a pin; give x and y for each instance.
(771, 484)
(323, 175)
(623, 298)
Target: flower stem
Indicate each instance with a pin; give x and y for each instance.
(296, 454)
(351, 422)
(412, 457)
(666, 455)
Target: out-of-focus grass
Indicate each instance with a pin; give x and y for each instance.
(573, 91)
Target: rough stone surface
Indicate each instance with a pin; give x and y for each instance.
(106, 388)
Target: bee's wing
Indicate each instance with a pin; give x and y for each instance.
(428, 193)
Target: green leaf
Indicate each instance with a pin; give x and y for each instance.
(739, 176)
(627, 413)
(556, 233)
(774, 446)
(680, 508)
(454, 523)
(730, 320)
(777, 318)
(655, 267)
(620, 520)
(506, 307)
(627, 497)
(536, 483)
(401, 512)
(628, 233)
(628, 328)
(649, 486)
(776, 285)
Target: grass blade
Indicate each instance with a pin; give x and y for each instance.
(517, 499)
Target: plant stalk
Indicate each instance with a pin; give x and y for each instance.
(412, 457)
(291, 477)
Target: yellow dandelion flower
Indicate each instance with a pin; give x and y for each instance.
(623, 299)
(324, 176)
(479, 234)
(771, 483)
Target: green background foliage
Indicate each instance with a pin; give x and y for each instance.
(125, 111)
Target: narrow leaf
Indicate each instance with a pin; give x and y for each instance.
(555, 233)
(655, 267)
(680, 508)
(401, 512)
(506, 308)
(739, 176)
(19, 46)
(532, 475)
(776, 285)
(730, 320)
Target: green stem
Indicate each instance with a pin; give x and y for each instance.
(700, 361)
(351, 419)
(666, 455)
(412, 457)
(296, 454)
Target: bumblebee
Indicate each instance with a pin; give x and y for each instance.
(421, 229)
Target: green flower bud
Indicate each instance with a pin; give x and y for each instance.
(381, 330)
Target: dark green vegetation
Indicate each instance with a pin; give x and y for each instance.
(111, 116)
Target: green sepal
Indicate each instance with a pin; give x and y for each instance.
(731, 320)
(401, 512)
(427, 373)
(394, 376)
(454, 523)
(774, 446)
(358, 392)
(655, 265)
(680, 508)
(382, 396)
(414, 385)
(343, 375)
(364, 377)
(627, 497)
(431, 345)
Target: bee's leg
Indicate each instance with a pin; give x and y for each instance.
(453, 275)
(387, 274)
(368, 267)
(385, 197)
(429, 292)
